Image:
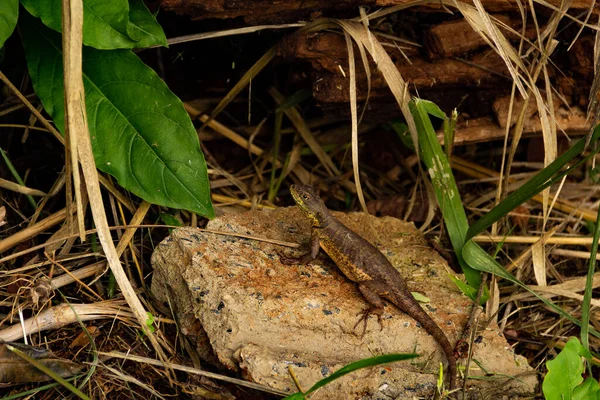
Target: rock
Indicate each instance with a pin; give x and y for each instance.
(261, 317)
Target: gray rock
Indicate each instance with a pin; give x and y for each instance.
(245, 310)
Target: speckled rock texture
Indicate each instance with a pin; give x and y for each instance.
(246, 311)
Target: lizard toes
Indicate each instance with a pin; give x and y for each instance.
(285, 259)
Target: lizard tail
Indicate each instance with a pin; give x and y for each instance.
(434, 330)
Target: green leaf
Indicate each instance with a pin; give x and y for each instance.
(141, 134)
(169, 219)
(588, 390)
(564, 374)
(401, 130)
(9, 12)
(420, 297)
(469, 291)
(107, 24)
(143, 26)
(150, 321)
(431, 108)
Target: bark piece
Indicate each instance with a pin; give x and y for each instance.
(571, 120)
(484, 129)
(269, 12)
(14, 369)
(455, 38)
(327, 55)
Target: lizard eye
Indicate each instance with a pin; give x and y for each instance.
(306, 196)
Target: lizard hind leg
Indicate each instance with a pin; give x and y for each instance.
(365, 316)
(369, 290)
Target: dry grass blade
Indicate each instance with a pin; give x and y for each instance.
(382, 12)
(568, 16)
(229, 32)
(388, 70)
(481, 23)
(244, 203)
(475, 170)
(567, 241)
(231, 135)
(15, 187)
(64, 314)
(31, 108)
(298, 170)
(538, 258)
(243, 82)
(305, 133)
(574, 254)
(72, 62)
(365, 41)
(76, 116)
(546, 111)
(130, 226)
(354, 117)
(130, 379)
(33, 230)
(195, 371)
(137, 219)
(553, 291)
(69, 277)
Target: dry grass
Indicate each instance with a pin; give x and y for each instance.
(61, 285)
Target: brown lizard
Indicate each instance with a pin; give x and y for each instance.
(363, 263)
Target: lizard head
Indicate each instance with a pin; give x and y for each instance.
(309, 202)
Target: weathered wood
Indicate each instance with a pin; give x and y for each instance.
(446, 62)
(268, 11)
(484, 129)
(456, 38)
(327, 55)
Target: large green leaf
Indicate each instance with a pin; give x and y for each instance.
(141, 134)
(564, 377)
(9, 11)
(107, 24)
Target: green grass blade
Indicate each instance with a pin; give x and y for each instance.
(16, 175)
(367, 362)
(587, 294)
(48, 372)
(443, 182)
(543, 179)
(477, 258)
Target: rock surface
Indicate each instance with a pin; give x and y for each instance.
(244, 309)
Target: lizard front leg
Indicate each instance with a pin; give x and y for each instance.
(308, 257)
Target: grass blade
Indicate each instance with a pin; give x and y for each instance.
(367, 362)
(443, 182)
(545, 178)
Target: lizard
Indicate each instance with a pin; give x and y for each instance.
(363, 263)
